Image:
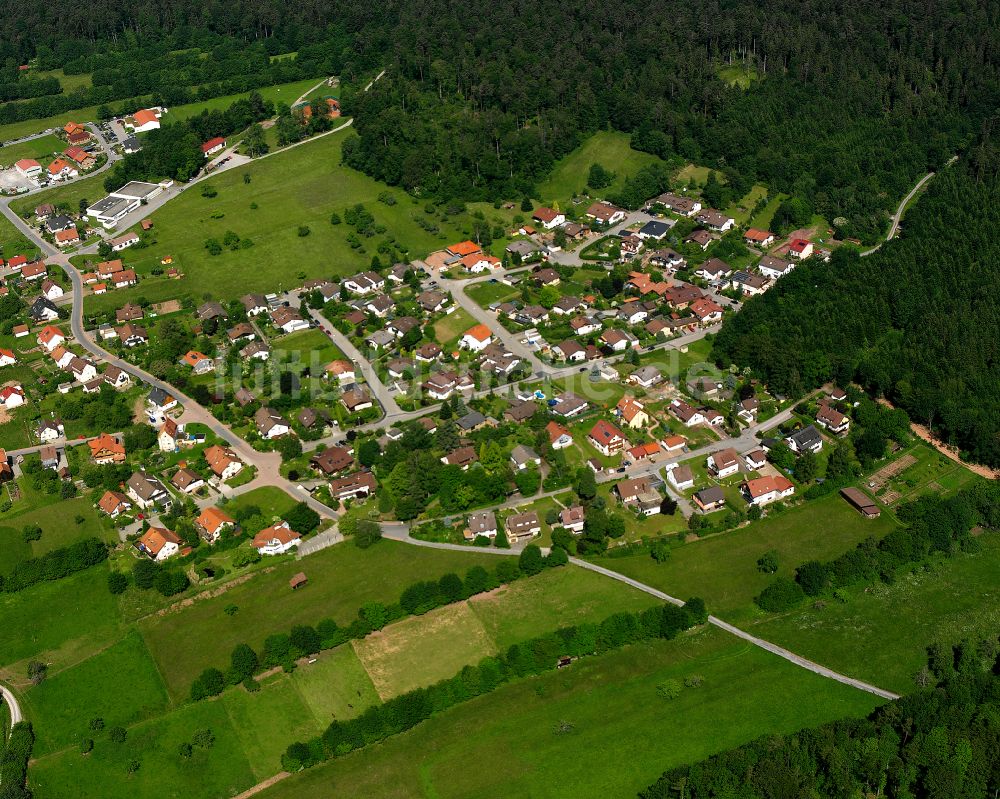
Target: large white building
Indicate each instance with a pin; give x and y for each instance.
(123, 201)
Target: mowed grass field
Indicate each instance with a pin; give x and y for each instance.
(610, 149)
(722, 569)
(13, 242)
(423, 650)
(881, 633)
(90, 189)
(279, 93)
(120, 685)
(595, 729)
(40, 149)
(300, 187)
(341, 580)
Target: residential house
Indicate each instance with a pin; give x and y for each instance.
(473, 421)
(565, 306)
(584, 325)
(132, 335)
(618, 340)
(167, 438)
(633, 313)
(548, 218)
(714, 220)
(646, 377)
(12, 397)
(707, 311)
(114, 504)
(288, 320)
(686, 413)
(403, 325)
(43, 310)
(50, 430)
(432, 301)
(225, 463)
(332, 460)
(255, 304)
(764, 490)
(476, 338)
(240, 332)
(146, 491)
(364, 283)
(666, 259)
(61, 169)
(607, 438)
(808, 439)
(105, 449)
(212, 522)
(750, 285)
(271, 424)
(605, 213)
(546, 277)
(748, 409)
(463, 457)
(213, 146)
(51, 290)
(276, 539)
(800, 248)
(34, 271)
(655, 229)
(709, 499)
(143, 120)
(681, 477)
(756, 237)
(124, 279)
(700, 238)
(714, 270)
(342, 371)
(428, 352)
(673, 444)
(685, 206)
(773, 268)
(520, 410)
(520, 526)
(186, 481)
(28, 167)
(83, 370)
(632, 412)
(198, 361)
(354, 486)
(723, 463)
(559, 436)
(570, 351)
(829, 418)
(573, 518)
(381, 339)
(522, 457)
(681, 295)
(128, 313)
(160, 400)
(639, 494)
(483, 523)
(159, 544)
(380, 305)
(7, 357)
(569, 405)
(441, 385)
(357, 399)
(755, 460)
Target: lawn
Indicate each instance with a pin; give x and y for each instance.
(597, 728)
(881, 633)
(272, 501)
(485, 294)
(311, 348)
(120, 685)
(90, 189)
(762, 221)
(68, 82)
(41, 149)
(450, 328)
(13, 242)
(264, 722)
(741, 209)
(59, 622)
(555, 598)
(610, 149)
(220, 770)
(699, 173)
(336, 686)
(282, 92)
(341, 579)
(722, 569)
(301, 187)
(423, 650)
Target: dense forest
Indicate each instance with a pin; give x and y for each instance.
(917, 322)
(847, 104)
(940, 743)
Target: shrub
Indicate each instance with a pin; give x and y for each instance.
(781, 595)
(117, 583)
(117, 735)
(669, 689)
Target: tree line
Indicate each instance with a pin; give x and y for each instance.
(931, 525)
(283, 649)
(939, 743)
(534, 656)
(55, 565)
(14, 757)
(917, 322)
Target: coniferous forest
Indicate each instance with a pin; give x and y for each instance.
(918, 321)
(847, 103)
(939, 743)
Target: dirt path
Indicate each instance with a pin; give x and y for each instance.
(952, 452)
(263, 786)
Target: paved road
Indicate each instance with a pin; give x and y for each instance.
(59, 442)
(896, 217)
(11, 701)
(390, 408)
(781, 652)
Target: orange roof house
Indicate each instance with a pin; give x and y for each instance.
(212, 521)
(464, 248)
(74, 127)
(144, 117)
(104, 449)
